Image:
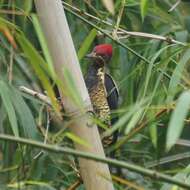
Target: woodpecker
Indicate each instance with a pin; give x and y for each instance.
(102, 88)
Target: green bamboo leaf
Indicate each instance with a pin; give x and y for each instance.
(86, 44)
(31, 51)
(177, 74)
(144, 8)
(43, 43)
(27, 6)
(6, 23)
(99, 123)
(149, 72)
(153, 133)
(24, 114)
(6, 98)
(177, 119)
(39, 66)
(77, 139)
(121, 123)
(134, 120)
(70, 89)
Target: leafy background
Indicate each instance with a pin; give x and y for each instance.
(152, 77)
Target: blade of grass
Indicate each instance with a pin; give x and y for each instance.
(6, 98)
(76, 139)
(43, 43)
(144, 8)
(25, 116)
(177, 119)
(177, 74)
(37, 63)
(86, 44)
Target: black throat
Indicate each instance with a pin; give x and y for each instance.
(91, 78)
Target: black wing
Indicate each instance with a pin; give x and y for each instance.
(113, 99)
(112, 92)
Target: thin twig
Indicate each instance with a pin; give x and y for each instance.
(75, 185)
(45, 99)
(126, 182)
(183, 142)
(174, 6)
(120, 43)
(168, 159)
(119, 19)
(130, 33)
(38, 95)
(11, 12)
(62, 150)
(45, 135)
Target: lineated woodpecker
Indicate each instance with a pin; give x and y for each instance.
(102, 88)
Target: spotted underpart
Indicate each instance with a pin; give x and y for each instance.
(98, 96)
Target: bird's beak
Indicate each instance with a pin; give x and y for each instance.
(91, 55)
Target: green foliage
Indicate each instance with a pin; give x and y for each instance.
(144, 8)
(86, 44)
(176, 76)
(39, 67)
(43, 43)
(177, 119)
(24, 114)
(152, 76)
(7, 102)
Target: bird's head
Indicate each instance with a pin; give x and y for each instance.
(101, 54)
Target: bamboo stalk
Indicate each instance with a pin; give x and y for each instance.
(60, 44)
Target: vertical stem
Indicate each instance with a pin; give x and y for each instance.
(60, 44)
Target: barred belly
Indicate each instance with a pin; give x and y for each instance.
(100, 104)
(98, 96)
